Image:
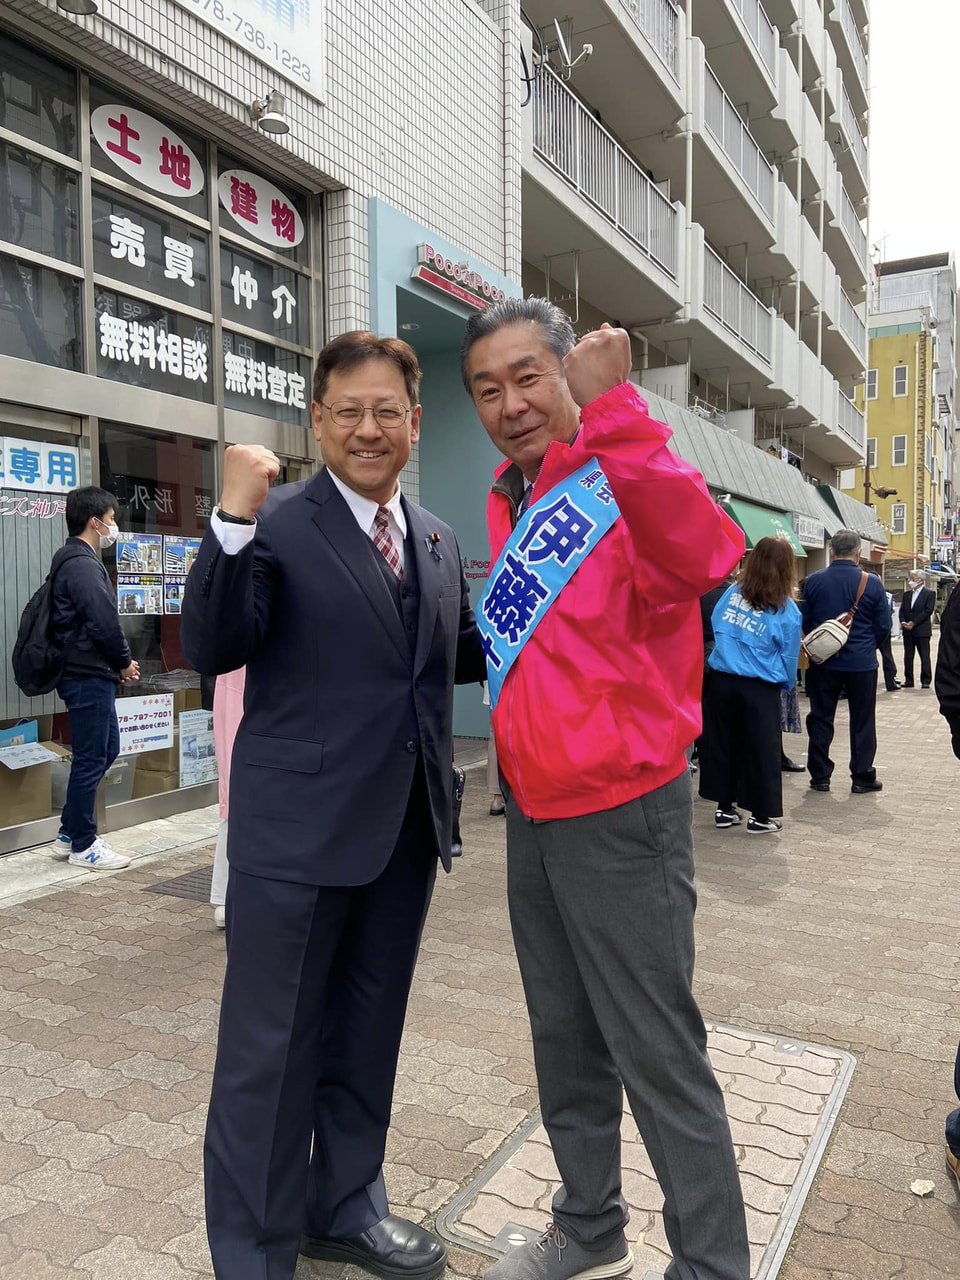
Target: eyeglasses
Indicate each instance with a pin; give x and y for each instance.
(346, 413)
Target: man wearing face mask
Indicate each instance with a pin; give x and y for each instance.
(84, 620)
(916, 619)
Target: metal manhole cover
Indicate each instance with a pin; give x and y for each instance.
(782, 1097)
(194, 885)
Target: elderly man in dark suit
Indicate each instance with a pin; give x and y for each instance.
(916, 620)
(348, 607)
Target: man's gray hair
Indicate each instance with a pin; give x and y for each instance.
(845, 543)
(555, 327)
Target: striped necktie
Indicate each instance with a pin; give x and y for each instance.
(384, 543)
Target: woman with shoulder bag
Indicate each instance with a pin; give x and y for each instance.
(756, 626)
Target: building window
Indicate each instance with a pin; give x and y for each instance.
(38, 98)
(926, 520)
(900, 380)
(872, 452)
(928, 453)
(39, 314)
(899, 451)
(898, 518)
(39, 204)
(871, 384)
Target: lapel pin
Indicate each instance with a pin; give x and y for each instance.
(433, 545)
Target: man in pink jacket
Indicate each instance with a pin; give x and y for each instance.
(603, 541)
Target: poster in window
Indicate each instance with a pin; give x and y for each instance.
(146, 724)
(139, 594)
(198, 757)
(173, 589)
(179, 554)
(140, 553)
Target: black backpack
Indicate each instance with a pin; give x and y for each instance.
(37, 658)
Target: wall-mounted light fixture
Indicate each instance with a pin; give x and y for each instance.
(267, 113)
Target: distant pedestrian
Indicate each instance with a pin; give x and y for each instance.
(916, 619)
(852, 672)
(85, 622)
(891, 683)
(756, 627)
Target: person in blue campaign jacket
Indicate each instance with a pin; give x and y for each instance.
(756, 627)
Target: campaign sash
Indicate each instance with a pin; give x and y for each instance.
(552, 539)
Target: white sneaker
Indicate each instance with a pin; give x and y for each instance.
(62, 847)
(99, 857)
(220, 917)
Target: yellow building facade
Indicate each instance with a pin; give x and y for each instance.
(905, 445)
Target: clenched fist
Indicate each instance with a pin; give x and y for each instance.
(599, 362)
(248, 470)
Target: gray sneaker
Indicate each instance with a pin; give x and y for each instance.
(556, 1257)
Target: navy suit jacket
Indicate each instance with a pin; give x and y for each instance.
(830, 592)
(337, 708)
(920, 615)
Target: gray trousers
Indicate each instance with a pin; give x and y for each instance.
(602, 912)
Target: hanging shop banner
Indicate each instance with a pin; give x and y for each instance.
(146, 724)
(37, 467)
(147, 151)
(139, 594)
(259, 209)
(287, 35)
(198, 757)
(140, 553)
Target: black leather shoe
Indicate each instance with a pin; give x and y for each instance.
(819, 786)
(393, 1248)
(863, 788)
(790, 766)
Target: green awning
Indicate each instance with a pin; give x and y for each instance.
(759, 522)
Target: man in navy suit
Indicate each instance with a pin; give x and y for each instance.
(916, 620)
(348, 607)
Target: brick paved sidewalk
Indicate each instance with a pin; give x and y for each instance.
(839, 931)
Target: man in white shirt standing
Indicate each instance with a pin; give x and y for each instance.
(348, 607)
(916, 619)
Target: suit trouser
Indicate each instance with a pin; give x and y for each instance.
(602, 912)
(824, 687)
(889, 662)
(920, 645)
(313, 1006)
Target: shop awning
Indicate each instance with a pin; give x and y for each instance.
(759, 522)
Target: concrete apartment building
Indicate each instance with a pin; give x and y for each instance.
(702, 178)
(910, 402)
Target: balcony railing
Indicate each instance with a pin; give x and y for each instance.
(738, 144)
(849, 23)
(903, 302)
(851, 324)
(760, 30)
(729, 300)
(852, 129)
(853, 227)
(659, 20)
(852, 422)
(571, 141)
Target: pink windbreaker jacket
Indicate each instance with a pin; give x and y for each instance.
(604, 699)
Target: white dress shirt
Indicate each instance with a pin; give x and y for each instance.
(916, 595)
(234, 537)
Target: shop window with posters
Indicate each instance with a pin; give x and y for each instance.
(164, 488)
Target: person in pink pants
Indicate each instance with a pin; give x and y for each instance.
(227, 714)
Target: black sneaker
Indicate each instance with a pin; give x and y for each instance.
(727, 818)
(763, 826)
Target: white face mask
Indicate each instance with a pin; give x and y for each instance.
(915, 586)
(109, 538)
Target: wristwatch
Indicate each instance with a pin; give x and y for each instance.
(227, 518)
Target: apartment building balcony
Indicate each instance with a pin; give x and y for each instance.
(844, 237)
(844, 338)
(852, 156)
(851, 54)
(730, 329)
(812, 399)
(742, 47)
(852, 424)
(909, 302)
(582, 191)
(811, 20)
(814, 154)
(783, 12)
(781, 131)
(635, 77)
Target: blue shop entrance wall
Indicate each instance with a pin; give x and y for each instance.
(456, 459)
